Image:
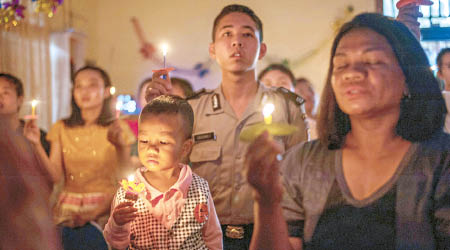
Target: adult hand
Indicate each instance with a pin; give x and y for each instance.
(158, 86)
(31, 132)
(147, 50)
(262, 170)
(115, 135)
(408, 15)
(124, 213)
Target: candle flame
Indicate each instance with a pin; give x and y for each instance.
(130, 177)
(164, 47)
(268, 109)
(119, 105)
(267, 113)
(34, 103)
(112, 90)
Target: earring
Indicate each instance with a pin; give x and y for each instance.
(406, 95)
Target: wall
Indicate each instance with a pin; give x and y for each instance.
(292, 29)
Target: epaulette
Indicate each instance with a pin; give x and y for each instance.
(199, 93)
(298, 100)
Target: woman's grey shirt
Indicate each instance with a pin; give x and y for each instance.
(422, 190)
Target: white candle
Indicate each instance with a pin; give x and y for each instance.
(164, 51)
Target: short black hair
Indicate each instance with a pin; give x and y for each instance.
(440, 55)
(14, 81)
(173, 105)
(240, 9)
(279, 67)
(422, 111)
(184, 84)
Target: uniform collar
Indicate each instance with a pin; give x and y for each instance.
(254, 105)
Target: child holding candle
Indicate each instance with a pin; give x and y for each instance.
(86, 151)
(175, 210)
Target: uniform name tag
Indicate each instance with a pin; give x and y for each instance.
(205, 137)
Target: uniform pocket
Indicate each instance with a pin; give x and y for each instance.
(205, 151)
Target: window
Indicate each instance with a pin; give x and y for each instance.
(434, 26)
(436, 15)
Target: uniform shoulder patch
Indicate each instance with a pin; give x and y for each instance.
(298, 100)
(199, 93)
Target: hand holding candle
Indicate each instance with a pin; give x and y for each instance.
(33, 115)
(164, 48)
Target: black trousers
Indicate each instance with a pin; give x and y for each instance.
(238, 244)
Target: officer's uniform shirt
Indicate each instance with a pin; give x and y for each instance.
(218, 154)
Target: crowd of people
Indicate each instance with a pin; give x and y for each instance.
(369, 170)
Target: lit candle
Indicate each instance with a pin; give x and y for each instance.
(267, 112)
(112, 90)
(33, 107)
(132, 190)
(164, 51)
(119, 105)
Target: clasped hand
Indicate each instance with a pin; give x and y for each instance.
(262, 170)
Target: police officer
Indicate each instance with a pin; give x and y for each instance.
(222, 114)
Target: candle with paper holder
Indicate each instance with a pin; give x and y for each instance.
(131, 188)
(164, 48)
(33, 114)
(273, 128)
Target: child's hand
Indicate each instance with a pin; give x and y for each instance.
(124, 213)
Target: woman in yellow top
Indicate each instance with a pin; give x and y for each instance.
(86, 150)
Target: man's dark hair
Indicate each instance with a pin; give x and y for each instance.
(280, 67)
(440, 55)
(185, 85)
(14, 81)
(422, 111)
(239, 9)
(172, 105)
(106, 116)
